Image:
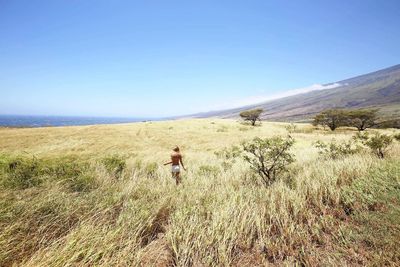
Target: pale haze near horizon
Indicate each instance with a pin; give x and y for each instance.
(158, 58)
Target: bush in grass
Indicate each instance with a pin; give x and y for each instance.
(269, 157)
(228, 155)
(378, 143)
(114, 165)
(21, 173)
(26, 172)
(335, 150)
(397, 137)
(65, 168)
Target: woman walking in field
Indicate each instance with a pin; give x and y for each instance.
(176, 161)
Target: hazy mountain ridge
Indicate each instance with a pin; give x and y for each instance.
(380, 89)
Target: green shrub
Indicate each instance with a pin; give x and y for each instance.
(378, 143)
(21, 173)
(334, 150)
(228, 155)
(64, 168)
(25, 172)
(269, 157)
(397, 137)
(114, 165)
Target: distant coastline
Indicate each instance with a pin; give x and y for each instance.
(25, 121)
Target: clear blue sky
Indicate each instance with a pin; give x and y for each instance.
(162, 58)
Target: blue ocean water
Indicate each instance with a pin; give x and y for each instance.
(43, 121)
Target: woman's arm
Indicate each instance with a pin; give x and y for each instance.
(166, 163)
(182, 163)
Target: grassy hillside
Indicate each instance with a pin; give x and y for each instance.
(379, 89)
(71, 201)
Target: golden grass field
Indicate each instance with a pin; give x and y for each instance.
(324, 212)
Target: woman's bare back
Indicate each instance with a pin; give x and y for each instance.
(176, 158)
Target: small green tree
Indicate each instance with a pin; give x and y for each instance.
(333, 118)
(362, 118)
(269, 157)
(378, 143)
(252, 115)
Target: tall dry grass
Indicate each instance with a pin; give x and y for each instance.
(82, 214)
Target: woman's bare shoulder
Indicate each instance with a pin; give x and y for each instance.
(176, 155)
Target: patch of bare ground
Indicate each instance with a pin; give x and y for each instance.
(249, 258)
(157, 253)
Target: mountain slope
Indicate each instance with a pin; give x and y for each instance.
(380, 89)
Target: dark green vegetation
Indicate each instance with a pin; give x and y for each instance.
(335, 150)
(334, 118)
(337, 208)
(361, 119)
(269, 157)
(362, 229)
(380, 89)
(390, 123)
(252, 115)
(114, 165)
(25, 172)
(378, 143)
(77, 175)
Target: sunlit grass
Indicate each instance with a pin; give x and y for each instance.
(220, 216)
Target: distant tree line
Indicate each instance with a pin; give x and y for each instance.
(358, 118)
(361, 119)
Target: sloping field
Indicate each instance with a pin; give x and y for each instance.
(100, 196)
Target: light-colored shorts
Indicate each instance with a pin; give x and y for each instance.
(176, 168)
